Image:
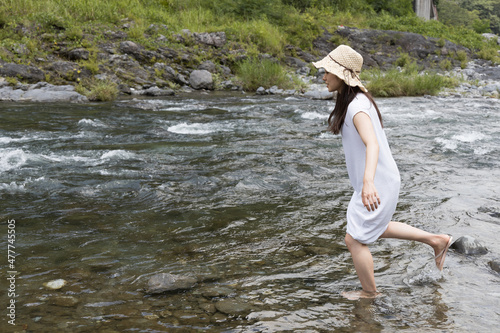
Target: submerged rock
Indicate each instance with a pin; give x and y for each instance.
(64, 301)
(234, 307)
(495, 265)
(163, 282)
(469, 245)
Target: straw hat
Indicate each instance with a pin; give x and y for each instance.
(344, 63)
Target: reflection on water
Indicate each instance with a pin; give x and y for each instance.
(247, 194)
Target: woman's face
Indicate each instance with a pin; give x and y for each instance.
(333, 83)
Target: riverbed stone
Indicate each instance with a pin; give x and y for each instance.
(495, 265)
(163, 282)
(155, 91)
(469, 245)
(64, 301)
(218, 291)
(261, 91)
(201, 79)
(234, 307)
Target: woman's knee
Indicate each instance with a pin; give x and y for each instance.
(349, 241)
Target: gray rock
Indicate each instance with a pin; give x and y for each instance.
(155, 91)
(274, 90)
(217, 39)
(491, 87)
(201, 79)
(225, 70)
(303, 70)
(261, 91)
(181, 79)
(495, 265)
(78, 54)
(42, 92)
(234, 307)
(208, 66)
(469, 245)
(24, 72)
(324, 94)
(163, 282)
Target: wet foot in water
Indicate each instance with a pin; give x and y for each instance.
(441, 250)
(357, 294)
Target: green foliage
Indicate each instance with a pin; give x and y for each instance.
(403, 60)
(479, 15)
(490, 52)
(255, 73)
(445, 64)
(98, 90)
(405, 82)
(394, 7)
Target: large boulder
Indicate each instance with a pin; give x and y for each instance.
(201, 79)
(24, 72)
(42, 92)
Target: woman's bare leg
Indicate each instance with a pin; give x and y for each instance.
(363, 262)
(404, 231)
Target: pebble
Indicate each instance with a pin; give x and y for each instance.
(55, 284)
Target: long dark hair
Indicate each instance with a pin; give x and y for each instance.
(345, 96)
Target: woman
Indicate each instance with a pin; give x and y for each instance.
(372, 170)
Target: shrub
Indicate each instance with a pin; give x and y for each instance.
(255, 73)
(407, 82)
(98, 90)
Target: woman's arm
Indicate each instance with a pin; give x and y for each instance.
(369, 193)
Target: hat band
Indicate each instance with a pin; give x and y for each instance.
(354, 74)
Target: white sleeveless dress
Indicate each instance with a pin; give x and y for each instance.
(364, 226)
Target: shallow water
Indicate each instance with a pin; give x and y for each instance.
(247, 193)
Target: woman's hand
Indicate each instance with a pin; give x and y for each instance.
(369, 196)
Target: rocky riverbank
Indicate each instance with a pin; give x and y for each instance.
(192, 61)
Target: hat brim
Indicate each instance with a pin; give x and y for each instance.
(341, 72)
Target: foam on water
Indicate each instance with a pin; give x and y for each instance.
(313, 115)
(197, 128)
(12, 159)
(469, 137)
(91, 123)
(118, 155)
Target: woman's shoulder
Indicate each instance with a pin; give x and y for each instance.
(360, 103)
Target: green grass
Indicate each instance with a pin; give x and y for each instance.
(254, 73)
(257, 26)
(406, 82)
(98, 90)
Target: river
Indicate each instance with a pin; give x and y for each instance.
(247, 193)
